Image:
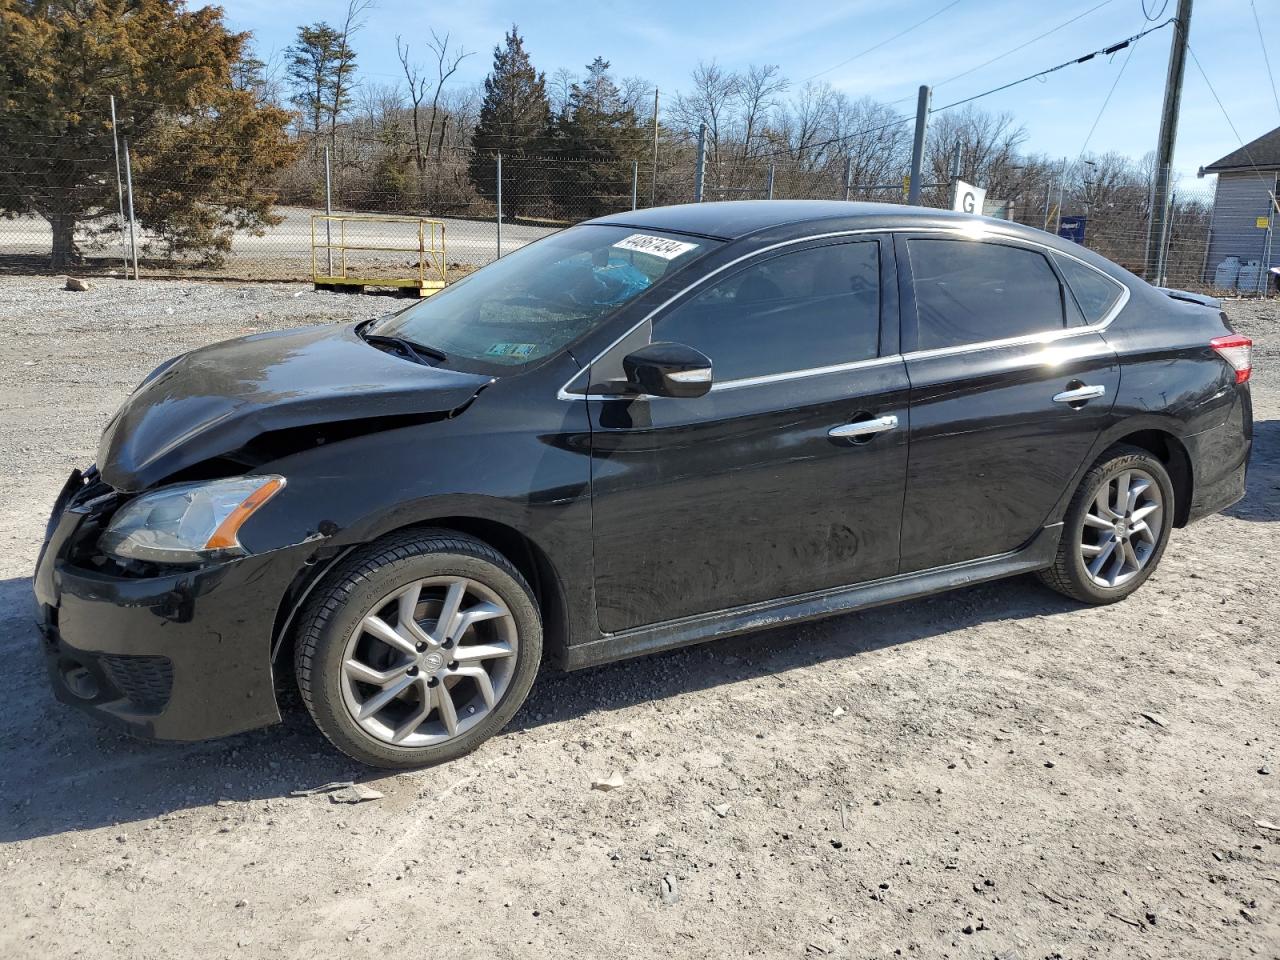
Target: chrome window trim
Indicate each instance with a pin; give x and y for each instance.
(807, 372)
(976, 230)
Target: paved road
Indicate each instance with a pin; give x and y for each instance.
(285, 250)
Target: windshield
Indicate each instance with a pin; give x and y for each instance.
(535, 301)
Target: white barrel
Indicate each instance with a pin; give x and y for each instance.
(1250, 277)
(1224, 278)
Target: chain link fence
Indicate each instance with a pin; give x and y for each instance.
(491, 205)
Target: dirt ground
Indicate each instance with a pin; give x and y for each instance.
(995, 772)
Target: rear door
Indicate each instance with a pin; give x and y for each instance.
(788, 476)
(1009, 389)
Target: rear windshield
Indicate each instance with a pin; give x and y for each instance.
(537, 300)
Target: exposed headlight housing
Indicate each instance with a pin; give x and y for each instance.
(188, 522)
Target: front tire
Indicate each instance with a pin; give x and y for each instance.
(1116, 528)
(417, 649)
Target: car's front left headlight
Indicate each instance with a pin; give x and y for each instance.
(188, 522)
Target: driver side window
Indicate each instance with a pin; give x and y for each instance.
(815, 307)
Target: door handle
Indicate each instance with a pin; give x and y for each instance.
(1082, 394)
(863, 428)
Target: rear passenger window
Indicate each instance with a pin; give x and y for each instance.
(812, 308)
(968, 291)
(1095, 293)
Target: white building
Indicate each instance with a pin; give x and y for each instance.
(1245, 215)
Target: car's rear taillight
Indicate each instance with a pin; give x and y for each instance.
(1237, 350)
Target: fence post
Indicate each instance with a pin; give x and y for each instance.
(1062, 189)
(848, 176)
(700, 171)
(917, 147)
(653, 195)
(771, 171)
(115, 142)
(328, 210)
(128, 179)
(635, 184)
(499, 200)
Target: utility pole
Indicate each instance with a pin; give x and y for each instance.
(653, 195)
(1158, 228)
(848, 175)
(917, 146)
(700, 172)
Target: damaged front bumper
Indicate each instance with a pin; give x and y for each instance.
(182, 655)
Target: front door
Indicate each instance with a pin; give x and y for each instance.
(788, 476)
(1009, 389)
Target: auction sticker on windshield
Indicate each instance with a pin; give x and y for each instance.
(663, 247)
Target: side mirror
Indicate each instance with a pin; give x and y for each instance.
(668, 370)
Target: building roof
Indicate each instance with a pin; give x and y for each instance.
(1261, 154)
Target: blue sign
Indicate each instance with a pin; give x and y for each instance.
(1072, 228)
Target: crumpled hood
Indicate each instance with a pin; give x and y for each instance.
(212, 401)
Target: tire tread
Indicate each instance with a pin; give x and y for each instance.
(329, 599)
(1061, 576)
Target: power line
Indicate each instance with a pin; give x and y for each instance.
(841, 139)
(1110, 93)
(882, 43)
(1265, 59)
(1113, 48)
(987, 63)
(1226, 116)
(1153, 17)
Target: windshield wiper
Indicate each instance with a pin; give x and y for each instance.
(418, 352)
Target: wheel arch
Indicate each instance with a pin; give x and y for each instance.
(531, 560)
(1170, 451)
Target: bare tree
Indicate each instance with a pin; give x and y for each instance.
(636, 95)
(988, 145)
(711, 102)
(417, 84)
(446, 66)
(559, 89)
(757, 94)
(345, 66)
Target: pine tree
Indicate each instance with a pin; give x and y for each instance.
(515, 119)
(312, 68)
(597, 135)
(201, 147)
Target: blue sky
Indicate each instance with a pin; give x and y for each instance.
(662, 41)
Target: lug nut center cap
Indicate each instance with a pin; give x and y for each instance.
(432, 662)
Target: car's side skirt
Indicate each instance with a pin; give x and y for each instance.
(1036, 555)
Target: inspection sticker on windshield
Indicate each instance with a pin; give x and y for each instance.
(656, 246)
(520, 351)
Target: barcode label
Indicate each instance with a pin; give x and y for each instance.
(662, 247)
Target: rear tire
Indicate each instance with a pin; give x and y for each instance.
(417, 649)
(1116, 528)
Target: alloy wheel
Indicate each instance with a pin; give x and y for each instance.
(429, 661)
(1122, 528)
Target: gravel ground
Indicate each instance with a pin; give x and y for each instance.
(995, 772)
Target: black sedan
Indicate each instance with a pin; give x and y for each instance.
(649, 430)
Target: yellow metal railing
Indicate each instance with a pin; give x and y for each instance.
(430, 252)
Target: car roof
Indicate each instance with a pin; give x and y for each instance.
(734, 219)
(781, 220)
